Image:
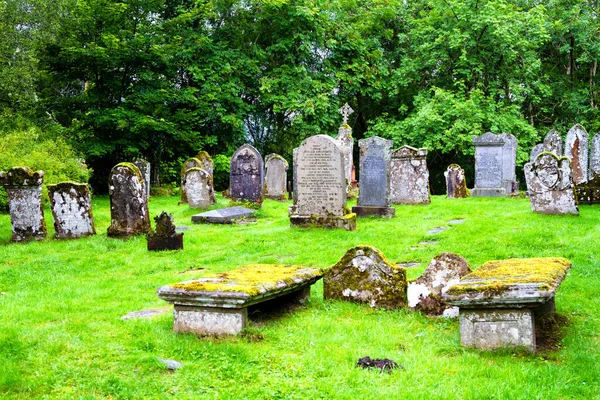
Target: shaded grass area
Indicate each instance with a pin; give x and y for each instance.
(61, 333)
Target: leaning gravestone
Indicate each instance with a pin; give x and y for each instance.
(425, 293)
(375, 167)
(488, 165)
(456, 185)
(576, 149)
(188, 164)
(537, 149)
(320, 192)
(128, 205)
(550, 185)
(144, 167)
(364, 275)
(71, 205)
(410, 176)
(24, 189)
(246, 175)
(275, 177)
(594, 169)
(509, 163)
(346, 142)
(198, 188)
(553, 143)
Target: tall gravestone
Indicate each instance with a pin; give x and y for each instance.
(144, 167)
(537, 149)
(246, 175)
(128, 202)
(509, 163)
(576, 150)
(24, 189)
(71, 205)
(188, 164)
(550, 185)
(275, 177)
(594, 170)
(320, 192)
(347, 146)
(488, 165)
(553, 143)
(410, 176)
(375, 168)
(198, 188)
(456, 185)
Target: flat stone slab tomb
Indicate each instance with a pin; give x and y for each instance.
(223, 215)
(218, 304)
(500, 301)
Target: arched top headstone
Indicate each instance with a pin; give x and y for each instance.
(375, 170)
(246, 175)
(206, 162)
(128, 201)
(553, 143)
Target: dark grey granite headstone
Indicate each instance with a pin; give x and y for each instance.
(223, 215)
(576, 149)
(246, 175)
(488, 165)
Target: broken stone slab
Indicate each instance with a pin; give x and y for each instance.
(364, 275)
(425, 293)
(165, 237)
(500, 301)
(218, 304)
(153, 312)
(223, 215)
(576, 150)
(71, 205)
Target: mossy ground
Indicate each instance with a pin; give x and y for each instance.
(61, 302)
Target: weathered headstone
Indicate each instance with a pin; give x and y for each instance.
(456, 185)
(275, 177)
(206, 162)
(537, 149)
(320, 195)
(246, 175)
(425, 293)
(128, 204)
(144, 167)
(71, 205)
(410, 176)
(364, 275)
(223, 215)
(165, 237)
(24, 189)
(375, 167)
(576, 149)
(488, 165)
(347, 146)
(294, 178)
(188, 164)
(594, 169)
(552, 143)
(198, 188)
(550, 185)
(509, 163)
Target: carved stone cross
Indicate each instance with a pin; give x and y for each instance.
(346, 110)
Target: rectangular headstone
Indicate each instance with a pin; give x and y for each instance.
(488, 165)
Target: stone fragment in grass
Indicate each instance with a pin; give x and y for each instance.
(128, 202)
(456, 222)
(384, 364)
(145, 313)
(364, 275)
(437, 230)
(170, 364)
(425, 293)
(72, 210)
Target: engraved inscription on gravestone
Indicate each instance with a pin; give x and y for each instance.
(489, 157)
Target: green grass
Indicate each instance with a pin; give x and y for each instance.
(61, 335)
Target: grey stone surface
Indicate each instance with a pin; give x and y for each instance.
(188, 164)
(71, 205)
(537, 149)
(550, 186)
(223, 215)
(436, 230)
(206, 162)
(153, 312)
(198, 188)
(246, 175)
(170, 364)
(456, 184)
(594, 170)
(276, 177)
(488, 165)
(552, 143)
(509, 163)
(346, 142)
(410, 176)
(144, 167)
(24, 189)
(209, 320)
(496, 328)
(128, 202)
(576, 149)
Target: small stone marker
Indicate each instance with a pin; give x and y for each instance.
(364, 275)
(198, 188)
(218, 304)
(552, 143)
(410, 176)
(223, 215)
(375, 167)
(488, 165)
(188, 164)
(246, 175)
(576, 149)
(456, 185)
(170, 364)
(275, 177)
(550, 186)
(537, 149)
(436, 230)
(500, 302)
(71, 205)
(425, 293)
(24, 189)
(509, 163)
(320, 192)
(166, 236)
(594, 170)
(128, 202)
(346, 142)
(144, 167)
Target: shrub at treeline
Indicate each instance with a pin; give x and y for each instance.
(163, 79)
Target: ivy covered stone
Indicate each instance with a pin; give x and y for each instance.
(364, 275)
(165, 237)
(71, 205)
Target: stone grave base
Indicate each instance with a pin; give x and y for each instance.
(348, 221)
(223, 215)
(169, 243)
(367, 211)
(488, 192)
(511, 187)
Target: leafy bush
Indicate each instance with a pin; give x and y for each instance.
(221, 172)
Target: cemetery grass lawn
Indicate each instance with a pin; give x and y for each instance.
(61, 302)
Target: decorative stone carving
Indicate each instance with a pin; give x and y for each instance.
(128, 204)
(246, 175)
(71, 205)
(275, 177)
(410, 176)
(165, 237)
(456, 185)
(576, 149)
